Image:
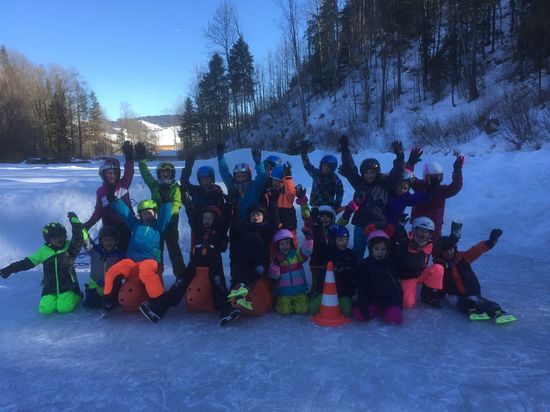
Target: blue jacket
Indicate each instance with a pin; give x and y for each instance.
(397, 204)
(145, 239)
(252, 194)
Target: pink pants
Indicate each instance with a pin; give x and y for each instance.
(431, 276)
(393, 314)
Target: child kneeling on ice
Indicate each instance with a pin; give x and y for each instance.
(379, 290)
(60, 290)
(287, 268)
(143, 248)
(461, 282)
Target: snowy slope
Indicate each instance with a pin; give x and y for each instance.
(437, 360)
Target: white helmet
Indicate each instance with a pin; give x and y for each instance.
(327, 209)
(424, 223)
(432, 168)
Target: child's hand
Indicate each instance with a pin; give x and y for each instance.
(397, 147)
(220, 149)
(457, 165)
(73, 218)
(287, 169)
(256, 155)
(343, 143)
(5, 273)
(300, 191)
(128, 150)
(359, 197)
(141, 151)
(308, 233)
(493, 238)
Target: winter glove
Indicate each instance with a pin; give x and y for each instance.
(164, 192)
(128, 150)
(186, 171)
(256, 155)
(141, 151)
(403, 219)
(414, 156)
(304, 147)
(353, 207)
(457, 165)
(300, 191)
(73, 218)
(111, 197)
(308, 232)
(456, 230)
(397, 147)
(493, 237)
(287, 169)
(5, 273)
(359, 197)
(220, 149)
(343, 143)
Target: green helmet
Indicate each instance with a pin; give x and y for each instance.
(147, 204)
(53, 229)
(167, 166)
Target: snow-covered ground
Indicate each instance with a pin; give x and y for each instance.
(436, 360)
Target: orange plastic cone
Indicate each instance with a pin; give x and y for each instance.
(330, 315)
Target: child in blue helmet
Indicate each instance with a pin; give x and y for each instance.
(60, 290)
(327, 188)
(206, 192)
(400, 198)
(165, 185)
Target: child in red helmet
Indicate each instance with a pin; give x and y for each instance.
(287, 268)
(461, 282)
(109, 171)
(379, 290)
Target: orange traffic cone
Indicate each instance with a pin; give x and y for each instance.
(330, 315)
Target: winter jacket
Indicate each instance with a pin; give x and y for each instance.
(285, 203)
(373, 209)
(155, 187)
(211, 196)
(244, 200)
(459, 278)
(326, 189)
(145, 239)
(411, 258)
(397, 204)
(102, 210)
(214, 237)
(101, 260)
(378, 284)
(345, 270)
(57, 264)
(434, 207)
(290, 272)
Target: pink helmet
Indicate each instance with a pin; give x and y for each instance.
(282, 234)
(378, 234)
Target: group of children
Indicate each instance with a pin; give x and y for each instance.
(256, 219)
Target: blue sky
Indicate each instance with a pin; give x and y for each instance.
(142, 52)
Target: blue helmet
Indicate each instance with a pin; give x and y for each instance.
(331, 161)
(277, 173)
(205, 171)
(336, 231)
(272, 161)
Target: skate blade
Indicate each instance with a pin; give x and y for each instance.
(479, 316)
(501, 320)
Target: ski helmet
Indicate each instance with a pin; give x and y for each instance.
(408, 175)
(212, 209)
(272, 161)
(147, 204)
(277, 173)
(281, 235)
(108, 231)
(336, 231)
(166, 166)
(331, 161)
(369, 164)
(109, 163)
(444, 243)
(378, 234)
(328, 210)
(258, 207)
(53, 229)
(432, 168)
(205, 171)
(424, 223)
(243, 168)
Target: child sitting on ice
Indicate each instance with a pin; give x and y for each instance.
(379, 290)
(109, 171)
(143, 249)
(60, 290)
(461, 282)
(102, 256)
(288, 270)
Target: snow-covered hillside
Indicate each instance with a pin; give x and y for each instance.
(436, 360)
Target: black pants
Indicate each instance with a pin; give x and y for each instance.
(171, 238)
(124, 236)
(478, 304)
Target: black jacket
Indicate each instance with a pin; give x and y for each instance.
(378, 284)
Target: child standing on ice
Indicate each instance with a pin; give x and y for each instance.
(109, 171)
(400, 198)
(283, 189)
(461, 282)
(102, 256)
(379, 290)
(165, 185)
(287, 268)
(60, 290)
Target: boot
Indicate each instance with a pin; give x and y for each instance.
(241, 292)
(229, 315)
(154, 309)
(432, 297)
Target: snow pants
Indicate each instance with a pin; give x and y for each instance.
(286, 305)
(63, 303)
(148, 274)
(431, 276)
(171, 238)
(393, 314)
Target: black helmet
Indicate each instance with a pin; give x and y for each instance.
(53, 229)
(369, 164)
(258, 207)
(108, 231)
(444, 243)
